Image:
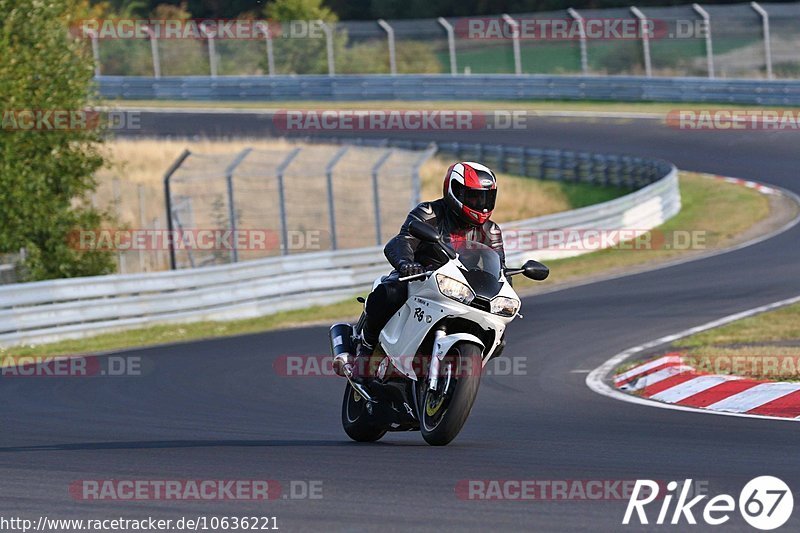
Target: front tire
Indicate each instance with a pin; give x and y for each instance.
(444, 411)
(356, 420)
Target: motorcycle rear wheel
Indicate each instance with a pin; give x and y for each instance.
(444, 411)
(356, 420)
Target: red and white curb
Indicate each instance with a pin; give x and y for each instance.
(669, 379)
(760, 187)
(604, 380)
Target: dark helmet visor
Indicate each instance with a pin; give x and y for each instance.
(475, 199)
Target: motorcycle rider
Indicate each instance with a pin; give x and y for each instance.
(462, 214)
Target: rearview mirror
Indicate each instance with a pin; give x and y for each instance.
(535, 270)
(424, 232)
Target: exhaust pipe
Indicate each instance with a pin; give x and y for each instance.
(341, 337)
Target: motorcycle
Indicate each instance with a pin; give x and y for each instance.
(425, 370)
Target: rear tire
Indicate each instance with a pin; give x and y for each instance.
(356, 420)
(444, 412)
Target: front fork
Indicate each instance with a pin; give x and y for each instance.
(436, 358)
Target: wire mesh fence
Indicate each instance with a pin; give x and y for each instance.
(314, 197)
(133, 206)
(748, 40)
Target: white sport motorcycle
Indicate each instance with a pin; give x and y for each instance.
(425, 371)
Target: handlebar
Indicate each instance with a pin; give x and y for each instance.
(415, 277)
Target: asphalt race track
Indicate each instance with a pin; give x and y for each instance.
(217, 409)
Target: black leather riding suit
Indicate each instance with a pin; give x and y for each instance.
(391, 294)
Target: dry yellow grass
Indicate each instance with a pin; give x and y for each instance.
(143, 162)
(517, 198)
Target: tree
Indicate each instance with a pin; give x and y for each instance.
(302, 55)
(286, 10)
(46, 176)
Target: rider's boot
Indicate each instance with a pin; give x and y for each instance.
(360, 368)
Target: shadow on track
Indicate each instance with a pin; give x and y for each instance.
(165, 444)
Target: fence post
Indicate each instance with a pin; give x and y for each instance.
(264, 28)
(154, 51)
(212, 50)
(331, 204)
(231, 203)
(376, 199)
(451, 44)
(709, 48)
(142, 222)
(767, 41)
(582, 36)
(416, 181)
(121, 259)
(514, 42)
(390, 39)
(282, 198)
(648, 66)
(168, 204)
(329, 45)
(95, 50)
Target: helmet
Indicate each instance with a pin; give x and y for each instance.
(470, 190)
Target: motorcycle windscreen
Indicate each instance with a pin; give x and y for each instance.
(483, 268)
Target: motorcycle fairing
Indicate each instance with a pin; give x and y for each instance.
(425, 307)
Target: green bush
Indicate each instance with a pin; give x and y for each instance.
(46, 176)
(413, 57)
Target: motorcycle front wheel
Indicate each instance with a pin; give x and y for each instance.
(445, 410)
(356, 419)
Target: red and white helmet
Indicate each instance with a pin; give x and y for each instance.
(470, 190)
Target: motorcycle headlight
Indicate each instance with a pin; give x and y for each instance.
(452, 288)
(500, 305)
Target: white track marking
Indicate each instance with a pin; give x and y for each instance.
(596, 380)
(755, 397)
(688, 388)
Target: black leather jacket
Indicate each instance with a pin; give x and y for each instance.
(404, 247)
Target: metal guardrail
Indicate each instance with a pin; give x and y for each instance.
(447, 87)
(637, 212)
(48, 311)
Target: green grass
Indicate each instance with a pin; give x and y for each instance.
(765, 346)
(722, 209)
(584, 194)
(779, 325)
(609, 56)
